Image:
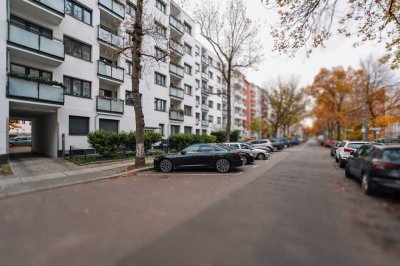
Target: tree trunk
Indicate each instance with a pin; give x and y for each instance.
(137, 38)
(229, 111)
(338, 131)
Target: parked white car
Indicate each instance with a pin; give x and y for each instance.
(264, 144)
(260, 154)
(344, 149)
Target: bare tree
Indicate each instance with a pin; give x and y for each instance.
(233, 37)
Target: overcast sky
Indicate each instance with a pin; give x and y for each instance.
(338, 52)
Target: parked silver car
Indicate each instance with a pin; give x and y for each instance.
(264, 144)
(260, 154)
(21, 141)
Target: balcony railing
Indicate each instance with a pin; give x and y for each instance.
(176, 69)
(36, 42)
(109, 105)
(204, 76)
(204, 123)
(175, 115)
(114, 7)
(204, 107)
(176, 92)
(109, 37)
(56, 5)
(176, 46)
(204, 60)
(34, 90)
(204, 91)
(108, 71)
(176, 24)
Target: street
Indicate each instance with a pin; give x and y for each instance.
(296, 208)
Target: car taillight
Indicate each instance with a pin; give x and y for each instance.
(383, 165)
(348, 150)
(238, 155)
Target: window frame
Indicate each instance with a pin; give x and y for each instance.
(82, 44)
(82, 15)
(164, 78)
(163, 106)
(78, 133)
(72, 79)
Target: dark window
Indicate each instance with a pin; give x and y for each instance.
(30, 72)
(78, 125)
(187, 130)
(130, 9)
(391, 155)
(188, 49)
(77, 87)
(161, 29)
(187, 110)
(159, 79)
(160, 105)
(188, 69)
(108, 125)
(188, 89)
(187, 28)
(160, 54)
(128, 98)
(79, 12)
(77, 49)
(175, 129)
(162, 126)
(32, 27)
(161, 5)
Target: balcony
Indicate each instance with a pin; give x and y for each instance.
(49, 11)
(109, 38)
(34, 90)
(204, 91)
(204, 123)
(176, 92)
(176, 47)
(109, 105)
(110, 73)
(33, 47)
(176, 26)
(225, 113)
(224, 98)
(176, 115)
(176, 70)
(204, 60)
(111, 10)
(204, 107)
(204, 76)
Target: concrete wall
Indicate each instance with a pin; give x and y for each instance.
(3, 84)
(44, 135)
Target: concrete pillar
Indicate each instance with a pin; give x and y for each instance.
(4, 108)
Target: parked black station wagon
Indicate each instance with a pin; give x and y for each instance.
(199, 156)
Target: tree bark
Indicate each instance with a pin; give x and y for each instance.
(137, 39)
(229, 111)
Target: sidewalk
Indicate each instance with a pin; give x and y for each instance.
(14, 185)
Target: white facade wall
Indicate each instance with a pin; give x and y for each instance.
(3, 83)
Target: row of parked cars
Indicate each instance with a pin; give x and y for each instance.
(221, 156)
(375, 164)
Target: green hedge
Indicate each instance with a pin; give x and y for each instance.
(220, 135)
(181, 141)
(109, 144)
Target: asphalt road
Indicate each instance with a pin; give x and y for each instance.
(295, 209)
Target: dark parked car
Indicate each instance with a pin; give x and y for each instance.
(21, 141)
(248, 158)
(377, 166)
(199, 156)
(388, 141)
(277, 144)
(334, 148)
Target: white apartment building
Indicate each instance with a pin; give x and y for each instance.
(75, 43)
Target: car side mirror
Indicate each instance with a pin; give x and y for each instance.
(183, 152)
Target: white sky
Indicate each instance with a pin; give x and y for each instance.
(339, 51)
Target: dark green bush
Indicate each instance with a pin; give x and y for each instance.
(181, 141)
(220, 135)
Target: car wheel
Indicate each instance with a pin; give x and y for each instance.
(223, 165)
(260, 156)
(275, 149)
(366, 186)
(165, 166)
(336, 159)
(245, 160)
(342, 163)
(347, 172)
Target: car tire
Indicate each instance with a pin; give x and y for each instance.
(347, 172)
(165, 166)
(336, 159)
(223, 165)
(342, 163)
(275, 149)
(366, 186)
(260, 156)
(245, 160)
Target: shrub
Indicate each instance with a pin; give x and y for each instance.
(181, 141)
(220, 136)
(150, 138)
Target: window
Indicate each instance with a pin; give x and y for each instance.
(77, 49)
(187, 130)
(210, 61)
(210, 104)
(77, 87)
(161, 6)
(188, 69)
(197, 84)
(218, 106)
(197, 68)
(188, 89)
(162, 127)
(210, 74)
(210, 119)
(29, 26)
(160, 54)
(159, 104)
(130, 9)
(128, 67)
(197, 101)
(210, 89)
(187, 110)
(219, 120)
(187, 28)
(79, 12)
(78, 125)
(193, 148)
(197, 52)
(204, 131)
(197, 131)
(161, 29)
(128, 98)
(188, 49)
(219, 80)
(159, 79)
(175, 130)
(30, 72)
(108, 125)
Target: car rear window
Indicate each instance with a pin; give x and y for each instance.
(391, 155)
(355, 145)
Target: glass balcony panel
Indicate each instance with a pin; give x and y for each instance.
(104, 69)
(51, 93)
(106, 3)
(117, 73)
(103, 104)
(119, 9)
(54, 4)
(23, 88)
(51, 47)
(175, 69)
(173, 115)
(117, 106)
(24, 37)
(176, 23)
(176, 92)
